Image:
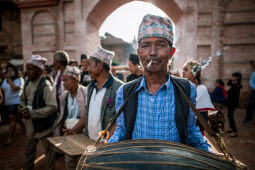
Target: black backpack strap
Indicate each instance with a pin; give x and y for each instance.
(131, 109)
(181, 107)
(183, 84)
(38, 101)
(24, 91)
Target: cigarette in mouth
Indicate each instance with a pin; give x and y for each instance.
(149, 64)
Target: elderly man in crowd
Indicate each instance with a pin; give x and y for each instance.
(156, 109)
(38, 108)
(101, 93)
(72, 107)
(61, 60)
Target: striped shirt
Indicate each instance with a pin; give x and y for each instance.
(155, 118)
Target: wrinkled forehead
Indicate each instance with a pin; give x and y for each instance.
(154, 40)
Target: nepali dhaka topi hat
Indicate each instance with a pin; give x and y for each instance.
(37, 61)
(156, 26)
(103, 55)
(72, 71)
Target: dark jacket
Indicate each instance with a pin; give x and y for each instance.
(107, 108)
(217, 96)
(181, 108)
(233, 93)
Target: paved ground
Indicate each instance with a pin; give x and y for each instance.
(242, 147)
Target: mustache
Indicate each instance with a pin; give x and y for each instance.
(153, 59)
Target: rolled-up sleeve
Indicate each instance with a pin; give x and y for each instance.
(119, 133)
(195, 137)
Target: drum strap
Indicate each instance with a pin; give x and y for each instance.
(217, 138)
(113, 120)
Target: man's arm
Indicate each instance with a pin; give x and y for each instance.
(252, 80)
(77, 128)
(195, 137)
(50, 101)
(120, 131)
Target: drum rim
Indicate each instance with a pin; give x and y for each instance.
(183, 147)
(140, 162)
(150, 152)
(168, 144)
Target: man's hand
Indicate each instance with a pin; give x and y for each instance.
(69, 132)
(25, 113)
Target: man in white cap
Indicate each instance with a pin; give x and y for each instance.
(38, 107)
(72, 107)
(101, 93)
(156, 109)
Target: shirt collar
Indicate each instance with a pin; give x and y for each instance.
(106, 85)
(143, 84)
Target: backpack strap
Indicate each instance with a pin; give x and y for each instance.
(181, 108)
(24, 91)
(132, 105)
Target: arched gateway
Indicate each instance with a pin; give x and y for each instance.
(223, 29)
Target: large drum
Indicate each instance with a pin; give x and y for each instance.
(151, 154)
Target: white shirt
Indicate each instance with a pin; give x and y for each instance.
(72, 107)
(94, 114)
(203, 99)
(10, 96)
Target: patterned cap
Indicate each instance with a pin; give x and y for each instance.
(103, 55)
(37, 61)
(72, 71)
(156, 26)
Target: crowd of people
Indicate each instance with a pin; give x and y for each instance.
(67, 99)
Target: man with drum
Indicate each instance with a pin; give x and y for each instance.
(157, 109)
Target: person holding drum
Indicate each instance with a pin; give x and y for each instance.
(72, 107)
(157, 110)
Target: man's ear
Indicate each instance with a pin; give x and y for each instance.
(172, 52)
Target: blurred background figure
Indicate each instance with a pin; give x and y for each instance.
(251, 103)
(219, 96)
(233, 101)
(175, 73)
(133, 65)
(12, 87)
(115, 73)
(72, 107)
(85, 77)
(47, 74)
(1, 104)
(61, 60)
(192, 71)
(73, 63)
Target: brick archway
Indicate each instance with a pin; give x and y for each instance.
(203, 28)
(105, 7)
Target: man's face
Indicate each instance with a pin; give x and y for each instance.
(132, 67)
(56, 64)
(84, 64)
(234, 78)
(69, 82)
(186, 72)
(94, 68)
(33, 72)
(156, 51)
(10, 72)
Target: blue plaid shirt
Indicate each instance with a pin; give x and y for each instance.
(155, 118)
